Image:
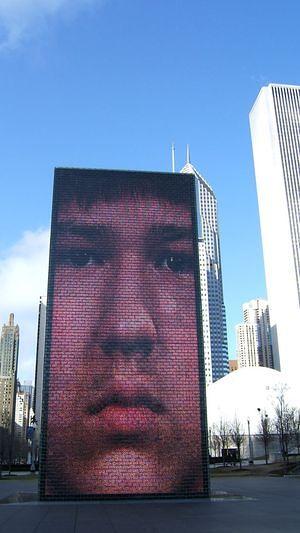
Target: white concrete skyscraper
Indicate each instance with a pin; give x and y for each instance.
(254, 346)
(213, 309)
(275, 131)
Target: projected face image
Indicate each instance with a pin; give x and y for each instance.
(124, 406)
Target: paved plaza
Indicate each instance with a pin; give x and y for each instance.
(240, 505)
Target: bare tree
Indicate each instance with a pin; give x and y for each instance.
(20, 450)
(4, 438)
(295, 425)
(215, 441)
(237, 436)
(283, 422)
(265, 431)
(223, 432)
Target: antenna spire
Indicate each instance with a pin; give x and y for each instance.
(188, 155)
(173, 158)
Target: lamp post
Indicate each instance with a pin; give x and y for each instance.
(264, 423)
(251, 461)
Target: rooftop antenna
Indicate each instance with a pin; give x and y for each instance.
(188, 155)
(173, 158)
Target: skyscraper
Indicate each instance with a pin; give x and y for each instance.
(275, 131)
(254, 346)
(39, 366)
(23, 410)
(213, 309)
(9, 350)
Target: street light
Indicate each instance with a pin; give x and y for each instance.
(251, 461)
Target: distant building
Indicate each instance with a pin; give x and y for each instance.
(213, 308)
(240, 394)
(233, 365)
(39, 365)
(275, 132)
(9, 348)
(205, 313)
(254, 346)
(7, 388)
(246, 345)
(9, 351)
(23, 410)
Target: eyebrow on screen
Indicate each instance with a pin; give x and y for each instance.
(161, 232)
(170, 232)
(88, 231)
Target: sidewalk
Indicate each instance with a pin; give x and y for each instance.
(248, 505)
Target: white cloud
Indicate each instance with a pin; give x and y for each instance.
(23, 279)
(19, 18)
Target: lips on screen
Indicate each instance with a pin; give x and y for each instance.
(123, 414)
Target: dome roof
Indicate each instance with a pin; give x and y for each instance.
(240, 393)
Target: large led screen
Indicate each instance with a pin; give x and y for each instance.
(124, 406)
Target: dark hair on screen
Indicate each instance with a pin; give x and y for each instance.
(85, 186)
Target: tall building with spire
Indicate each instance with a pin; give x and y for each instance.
(212, 300)
(275, 132)
(9, 350)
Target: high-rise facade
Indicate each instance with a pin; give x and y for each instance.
(254, 345)
(275, 132)
(9, 350)
(23, 410)
(212, 300)
(39, 367)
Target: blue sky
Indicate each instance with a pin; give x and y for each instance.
(111, 84)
